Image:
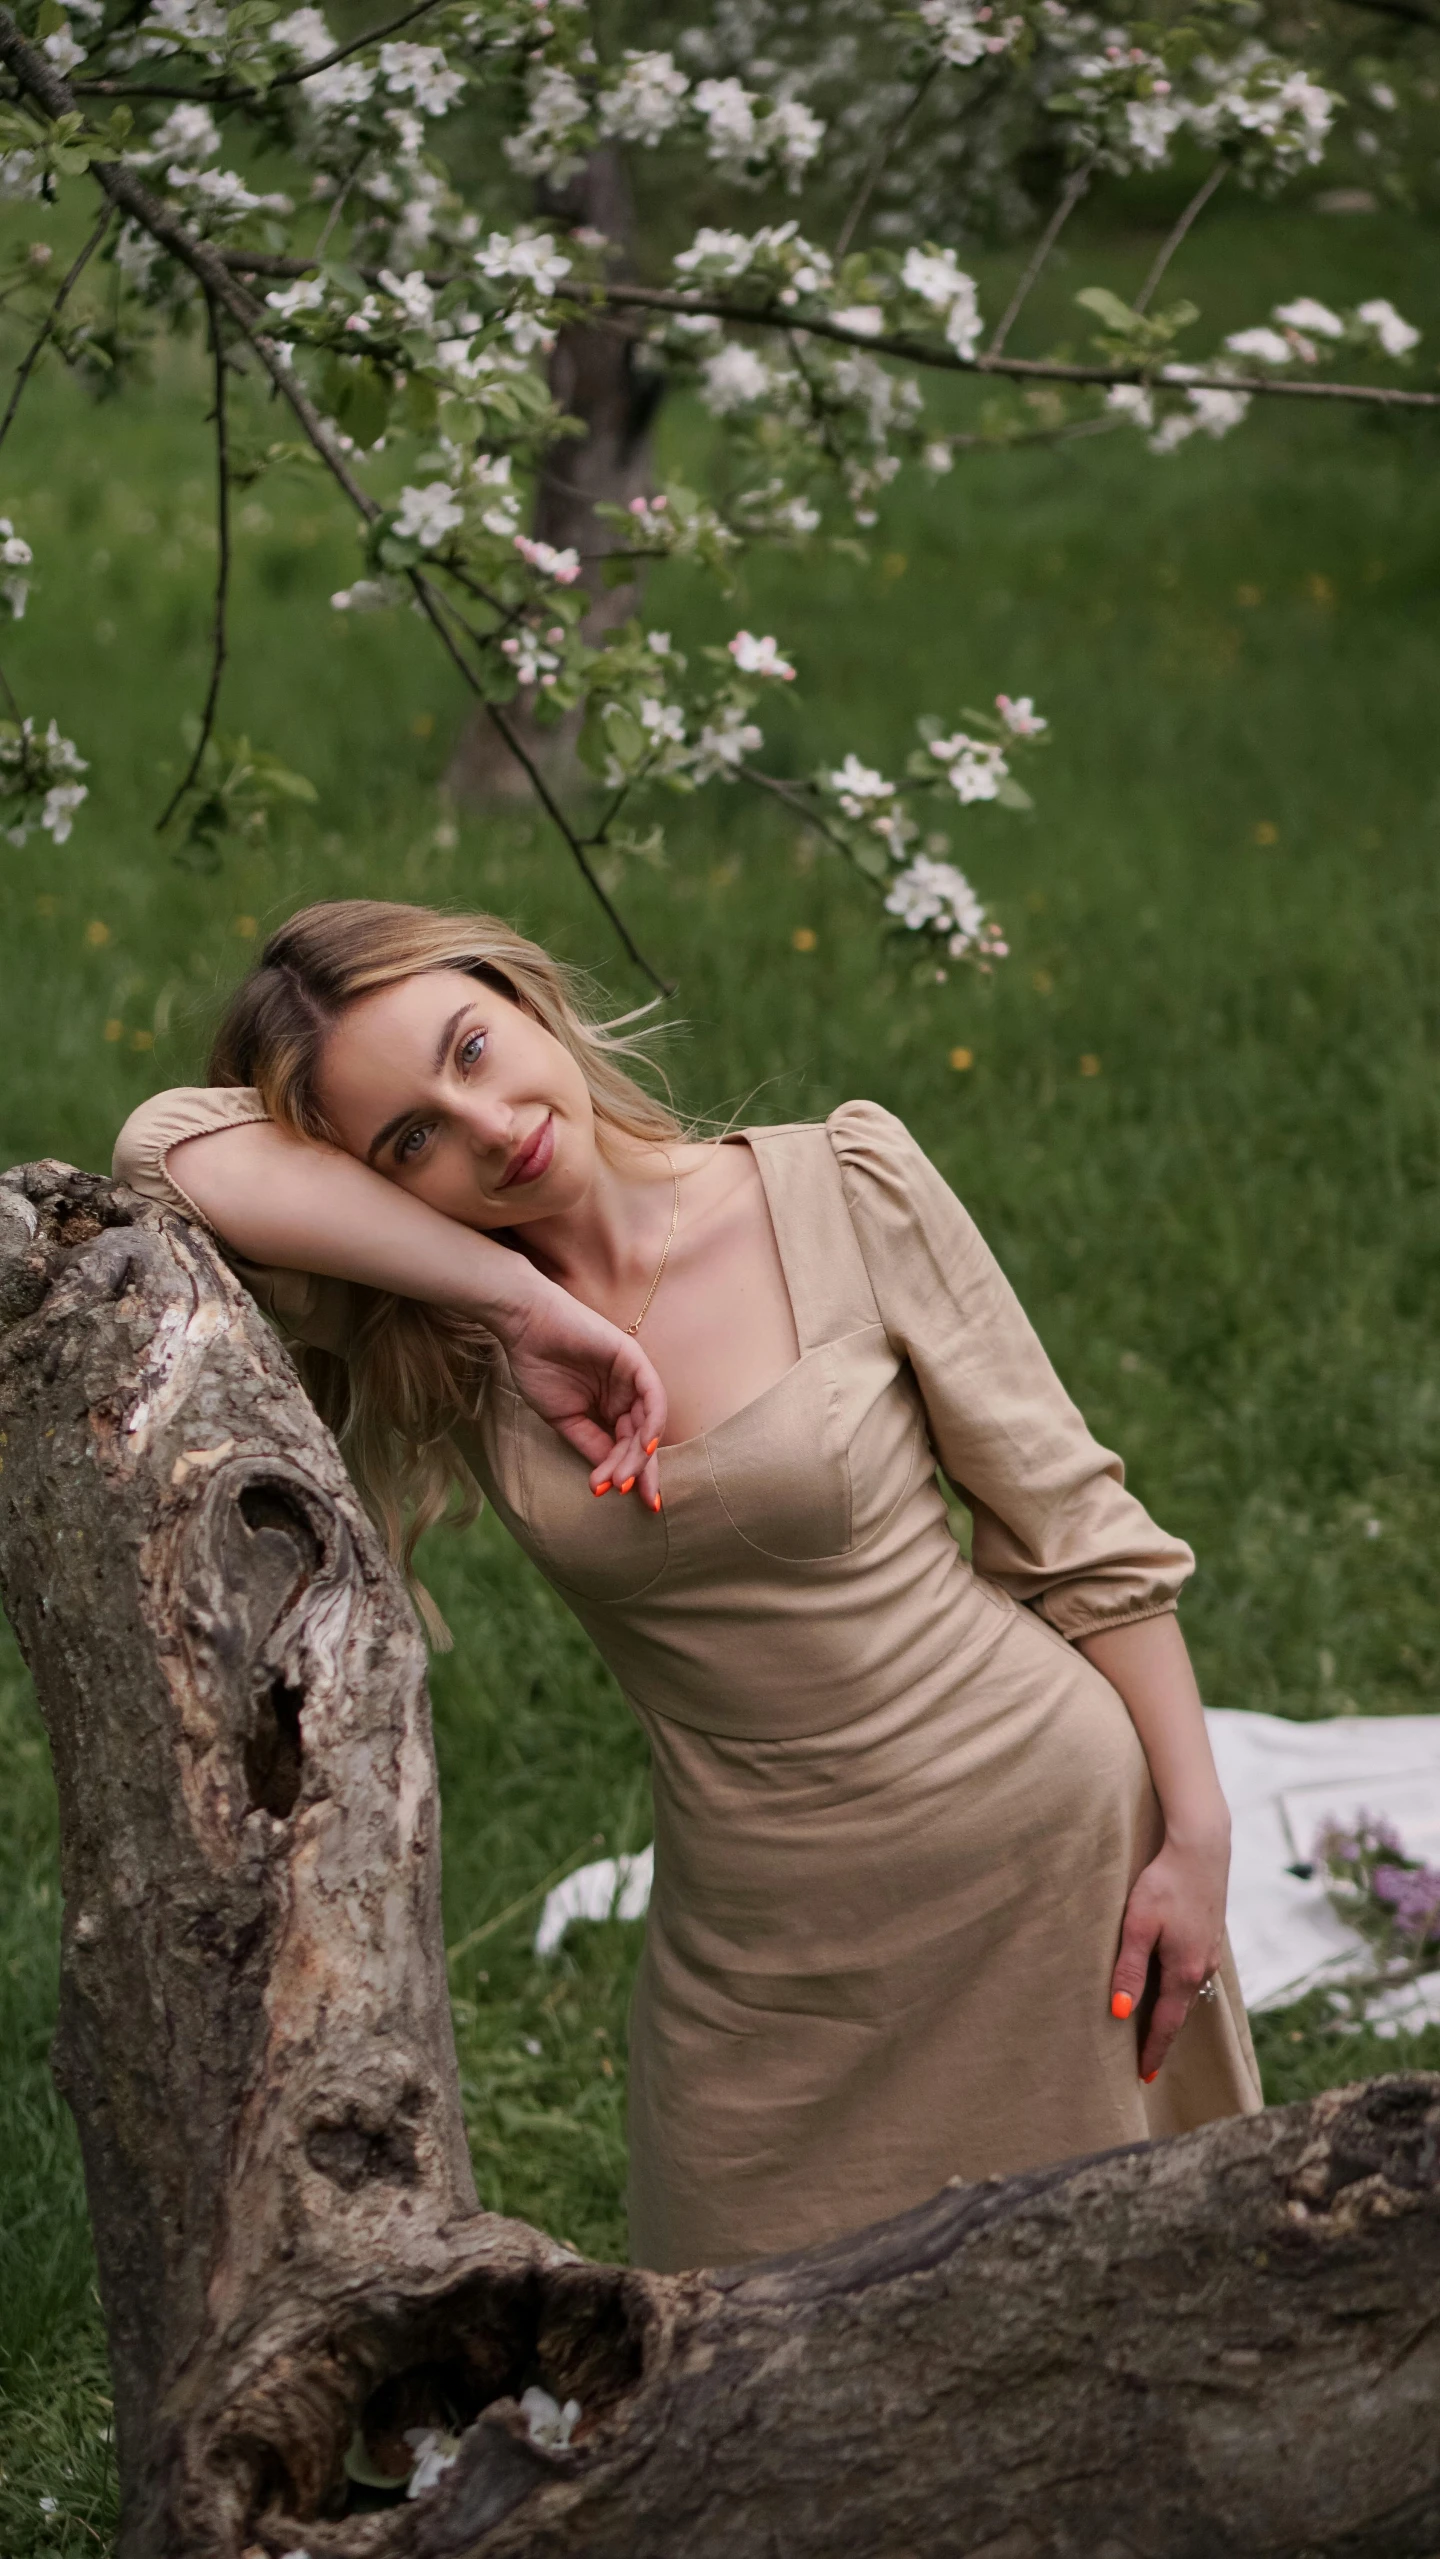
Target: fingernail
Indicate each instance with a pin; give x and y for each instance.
(629, 1480)
(655, 1505)
(1121, 2004)
(598, 1489)
(1148, 2075)
(650, 1447)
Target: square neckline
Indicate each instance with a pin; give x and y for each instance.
(701, 1439)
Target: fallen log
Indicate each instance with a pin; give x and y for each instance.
(1222, 2345)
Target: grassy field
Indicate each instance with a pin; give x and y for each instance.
(1200, 1124)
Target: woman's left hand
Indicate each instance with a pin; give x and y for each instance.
(1175, 1913)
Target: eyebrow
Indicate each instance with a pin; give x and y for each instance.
(392, 1128)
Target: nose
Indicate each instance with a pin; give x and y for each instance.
(489, 1128)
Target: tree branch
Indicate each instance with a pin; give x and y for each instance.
(433, 606)
(881, 154)
(284, 79)
(222, 573)
(32, 354)
(1166, 252)
(1075, 186)
(906, 350)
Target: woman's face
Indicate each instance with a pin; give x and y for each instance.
(454, 1093)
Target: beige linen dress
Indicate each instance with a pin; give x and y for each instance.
(896, 1813)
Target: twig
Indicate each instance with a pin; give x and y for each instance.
(876, 167)
(1193, 210)
(1075, 186)
(32, 354)
(222, 572)
(223, 97)
(15, 713)
(432, 605)
(791, 799)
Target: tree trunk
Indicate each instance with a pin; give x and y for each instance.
(594, 378)
(1216, 2346)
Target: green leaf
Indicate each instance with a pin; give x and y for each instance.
(870, 859)
(623, 734)
(52, 20)
(1011, 796)
(1107, 306)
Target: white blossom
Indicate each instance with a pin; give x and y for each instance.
(734, 378)
(1151, 125)
(305, 34)
(548, 2423)
(759, 657)
(562, 566)
(61, 803)
(421, 71)
(934, 276)
(1315, 318)
(15, 554)
(344, 85)
(532, 663)
(544, 146)
(790, 136)
(22, 174)
(645, 102)
(935, 894)
(1021, 718)
(1396, 336)
(962, 38)
(662, 720)
(728, 109)
(1133, 401)
(306, 294)
(724, 744)
(427, 515)
(975, 768)
(718, 254)
(1209, 411)
(1260, 346)
(62, 49)
(368, 595)
(531, 257)
(434, 2455)
(413, 294)
(860, 789)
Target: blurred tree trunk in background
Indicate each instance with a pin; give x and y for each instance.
(595, 377)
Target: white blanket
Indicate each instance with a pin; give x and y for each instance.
(1281, 1780)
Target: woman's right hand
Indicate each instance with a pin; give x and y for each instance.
(286, 1201)
(591, 1383)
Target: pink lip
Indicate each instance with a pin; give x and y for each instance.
(533, 1158)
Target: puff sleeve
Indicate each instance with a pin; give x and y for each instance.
(1054, 1525)
(304, 1305)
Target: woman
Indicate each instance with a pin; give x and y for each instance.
(940, 1851)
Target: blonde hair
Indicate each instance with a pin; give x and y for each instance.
(411, 1373)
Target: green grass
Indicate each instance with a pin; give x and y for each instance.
(1229, 1235)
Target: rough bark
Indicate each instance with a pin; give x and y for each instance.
(1223, 2345)
(594, 378)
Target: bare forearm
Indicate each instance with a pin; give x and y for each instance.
(294, 1205)
(1151, 1668)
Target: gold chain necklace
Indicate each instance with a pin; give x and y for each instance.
(664, 1258)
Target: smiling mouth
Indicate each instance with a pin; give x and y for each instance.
(533, 1157)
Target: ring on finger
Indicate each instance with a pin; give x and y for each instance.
(1207, 1987)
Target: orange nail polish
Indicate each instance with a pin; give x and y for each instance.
(1121, 2004)
(629, 1480)
(598, 1489)
(655, 1505)
(650, 1447)
(1148, 2075)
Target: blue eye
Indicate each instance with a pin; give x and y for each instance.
(472, 1048)
(407, 1151)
